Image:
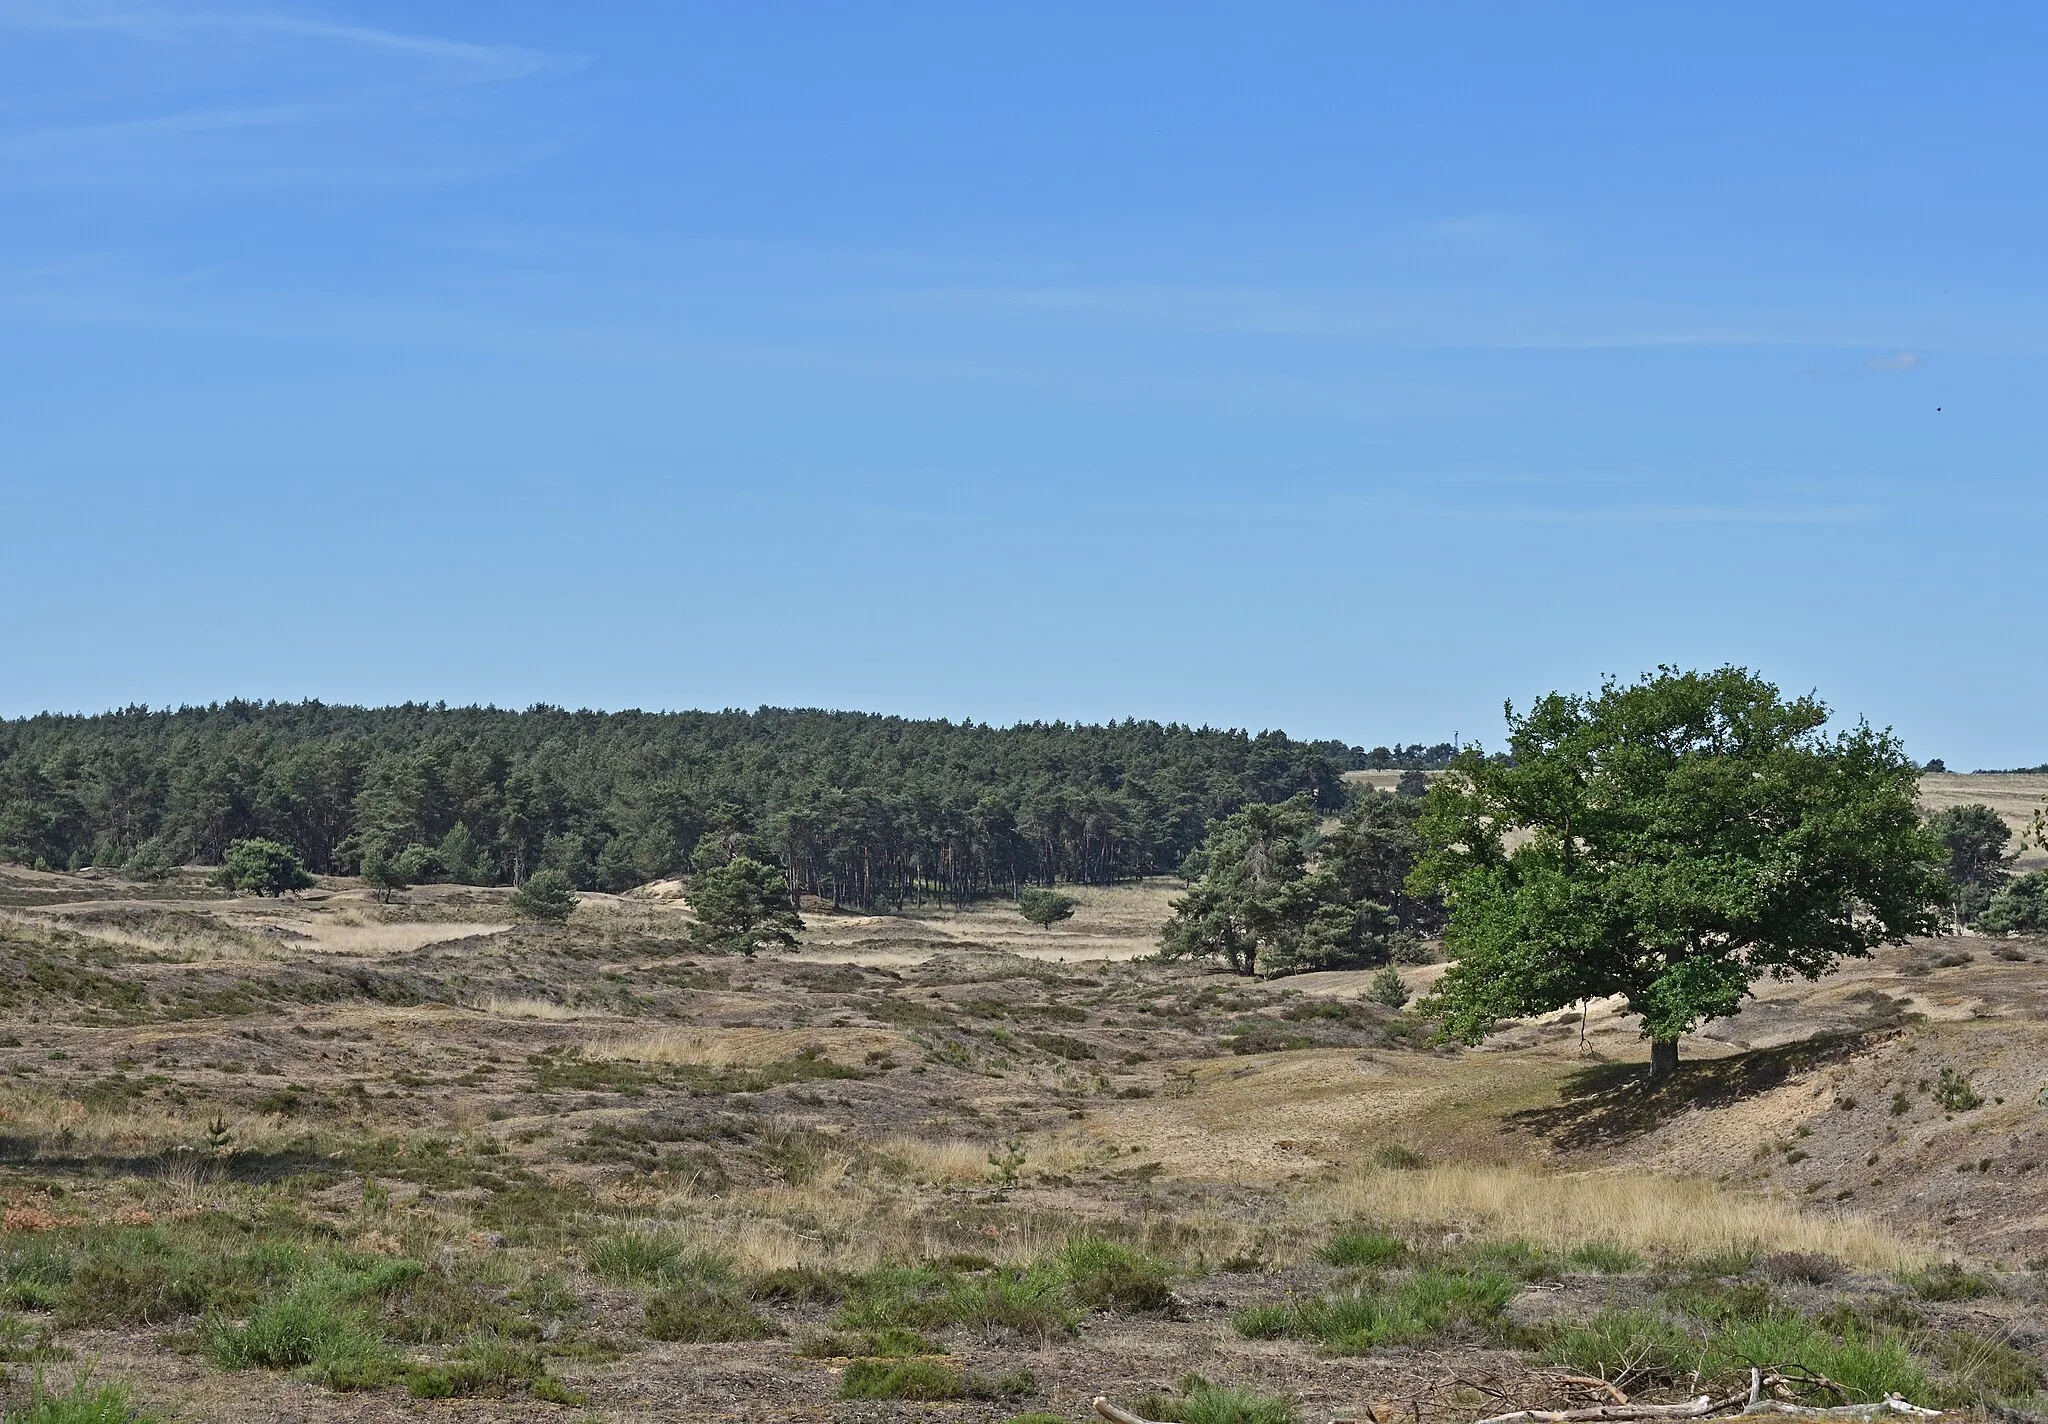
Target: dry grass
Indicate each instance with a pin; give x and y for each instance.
(368, 941)
(748, 1047)
(1658, 1216)
(507, 1006)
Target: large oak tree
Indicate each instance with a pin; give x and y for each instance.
(1670, 840)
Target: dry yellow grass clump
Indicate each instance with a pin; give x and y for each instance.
(1657, 1216)
(506, 1006)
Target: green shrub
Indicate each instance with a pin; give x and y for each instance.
(1105, 1276)
(1200, 1402)
(901, 1379)
(302, 1330)
(548, 895)
(1947, 1281)
(1955, 1092)
(701, 1313)
(1363, 1248)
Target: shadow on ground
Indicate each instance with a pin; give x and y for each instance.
(1616, 1102)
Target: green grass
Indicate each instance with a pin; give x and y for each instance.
(1622, 1343)
(702, 1312)
(1425, 1305)
(902, 1379)
(83, 1403)
(1102, 1275)
(1041, 1301)
(1363, 1248)
(647, 1258)
(1720, 1349)
(1947, 1281)
(1200, 1402)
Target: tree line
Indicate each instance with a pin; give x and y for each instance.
(859, 809)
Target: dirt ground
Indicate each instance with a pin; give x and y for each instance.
(426, 1081)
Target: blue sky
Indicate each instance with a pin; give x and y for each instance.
(1339, 368)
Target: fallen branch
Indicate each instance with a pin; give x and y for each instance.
(1890, 1404)
(1114, 1415)
(1691, 1409)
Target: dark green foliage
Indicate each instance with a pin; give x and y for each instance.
(1045, 907)
(1680, 837)
(262, 867)
(547, 895)
(1974, 837)
(862, 810)
(741, 906)
(2020, 908)
(1386, 988)
(1954, 1091)
(1200, 1402)
(1274, 895)
(384, 873)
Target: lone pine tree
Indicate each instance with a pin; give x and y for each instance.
(1670, 840)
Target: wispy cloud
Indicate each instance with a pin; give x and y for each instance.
(1893, 361)
(477, 63)
(150, 97)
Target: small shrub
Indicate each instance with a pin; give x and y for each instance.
(700, 1313)
(1386, 988)
(548, 896)
(486, 1365)
(1105, 1276)
(1396, 1158)
(1200, 1402)
(1947, 1281)
(1808, 1268)
(1363, 1248)
(1956, 1093)
(1045, 908)
(902, 1379)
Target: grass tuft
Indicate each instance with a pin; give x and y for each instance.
(1200, 1402)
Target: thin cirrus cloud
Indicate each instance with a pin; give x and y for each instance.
(308, 97)
(1894, 361)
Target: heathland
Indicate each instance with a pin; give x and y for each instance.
(355, 1154)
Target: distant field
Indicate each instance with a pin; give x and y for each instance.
(2015, 796)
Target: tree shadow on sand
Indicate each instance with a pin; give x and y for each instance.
(1615, 1102)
